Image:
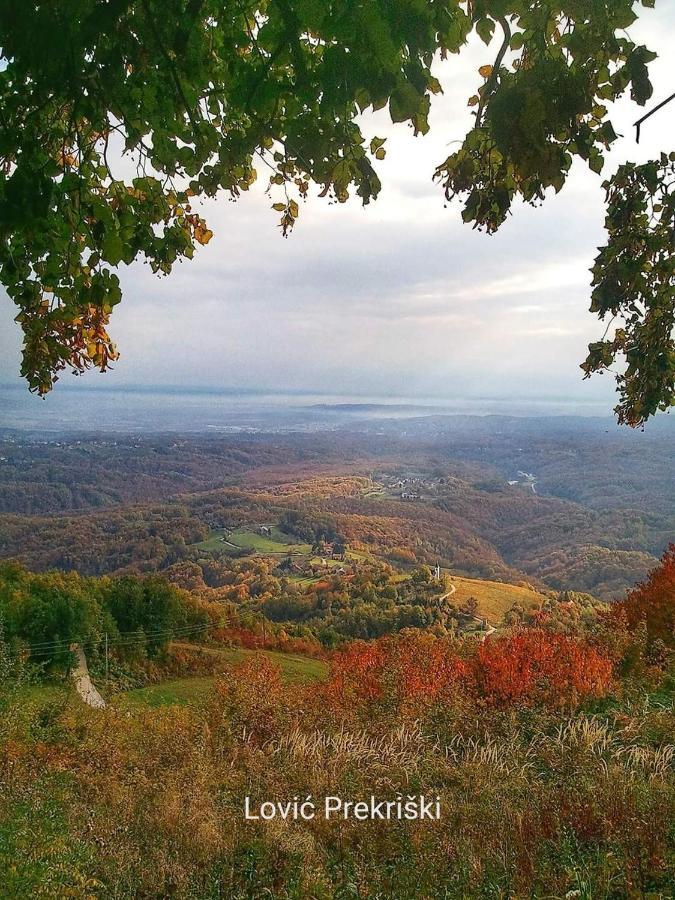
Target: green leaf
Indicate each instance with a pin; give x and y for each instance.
(404, 103)
(485, 29)
(113, 248)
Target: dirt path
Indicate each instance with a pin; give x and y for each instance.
(490, 628)
(83, 685)
(452, 590)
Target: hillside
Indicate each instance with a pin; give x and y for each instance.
(103, 506)
(495, 599)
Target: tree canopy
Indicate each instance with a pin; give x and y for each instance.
(117, 116)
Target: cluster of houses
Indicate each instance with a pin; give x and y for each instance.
(525, 478)
(409, 487)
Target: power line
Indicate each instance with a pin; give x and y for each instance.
(132, 634)
(130, 639)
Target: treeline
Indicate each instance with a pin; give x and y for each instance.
(66, 474)
(127, 539)
(503, 534)
(313, 529)
(370, 601)
(43, 614)
(369, 604)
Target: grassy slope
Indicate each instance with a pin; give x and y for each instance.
(193, 689)
(494, 598)
(251, 540)
(33, 699)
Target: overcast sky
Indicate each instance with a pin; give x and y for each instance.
(397, 298)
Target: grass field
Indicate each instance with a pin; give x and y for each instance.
(246, 539)
(38, 695)
(197, 688)
(494, 599)
(35, 698)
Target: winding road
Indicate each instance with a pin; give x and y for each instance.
(480, 619)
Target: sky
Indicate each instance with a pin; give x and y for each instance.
(397, 298)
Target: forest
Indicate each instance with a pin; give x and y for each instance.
(598, 520)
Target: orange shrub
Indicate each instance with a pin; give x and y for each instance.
(653, 601)
(536, 666)
(403, 669)
(415, 670)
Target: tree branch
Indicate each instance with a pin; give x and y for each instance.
(638, 124)
(492, 80)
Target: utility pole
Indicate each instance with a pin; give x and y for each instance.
(106, 659)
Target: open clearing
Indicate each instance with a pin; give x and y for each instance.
(196, 688)
(494, 598)
(221, 540)
(35, 699)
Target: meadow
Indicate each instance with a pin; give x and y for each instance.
(495, 599)
(221, 540)
(564, 790)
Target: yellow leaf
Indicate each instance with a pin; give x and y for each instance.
(485, 71)
(203, 235)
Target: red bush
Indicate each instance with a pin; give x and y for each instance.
(536, 666)
(529, 667)
(653, 601)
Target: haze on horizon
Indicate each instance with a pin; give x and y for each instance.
(397, 299)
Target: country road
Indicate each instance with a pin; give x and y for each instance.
(453, 590)
(83, 684)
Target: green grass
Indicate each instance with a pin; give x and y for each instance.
(181, 691)
(303, 580)
(213, 541)
(39, 855)
(245, 539)
(278, 543)
(42, 694)
(195, 689)
(34, 699)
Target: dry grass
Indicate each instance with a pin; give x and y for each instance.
(494, 599)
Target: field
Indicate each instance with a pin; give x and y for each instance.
(191, 690)
(494, 599)
(221, 541)
(197, 688)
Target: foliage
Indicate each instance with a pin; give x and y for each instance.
(196, 93)
(536, 801)
(44, 614)
(634, 278)
(602, 516)
(527, 668)
(653, 602)
(536, 667)
(151, 606)
(313, 529)
(535, 116)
